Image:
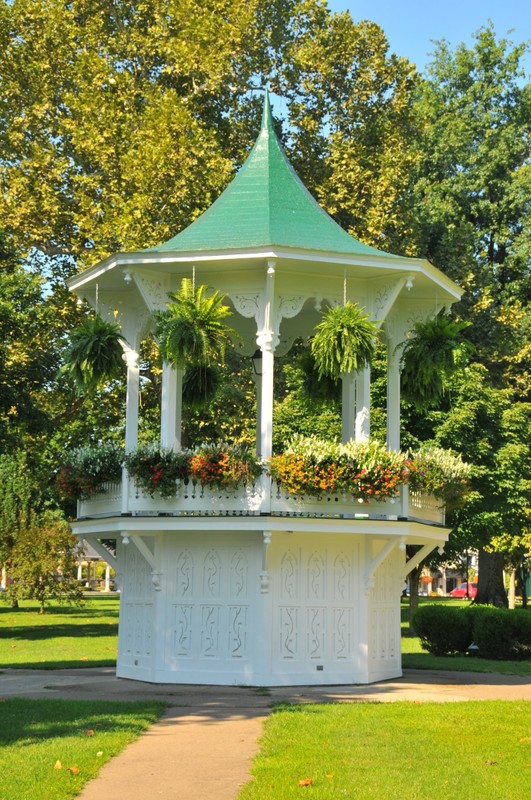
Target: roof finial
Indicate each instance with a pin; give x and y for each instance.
(266, 113)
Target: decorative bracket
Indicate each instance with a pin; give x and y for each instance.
(375, 563)
(143, 549)
(264, 574)
(415, 560)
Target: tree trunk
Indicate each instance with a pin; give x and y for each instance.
(523, 576)
(512, 587)
(414, 576)
(491, 590)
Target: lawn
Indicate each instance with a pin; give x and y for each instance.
(51, 748)
(404, 750)
(64, 636)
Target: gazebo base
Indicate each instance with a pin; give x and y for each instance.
(230, 602)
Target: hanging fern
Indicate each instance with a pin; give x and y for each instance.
(430, 356)
(200, 385)
(95, 355)
(191, 330)
(344, 341)
(316, 388)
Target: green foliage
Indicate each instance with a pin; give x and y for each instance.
(433, 351)
(441, 473)
(200, 385)
(443, 630)
(42, 562)
(497, 632)
(156, 469)
(344, 341)
(191, 330)
(95, 355)
(86, 469)
(502, 634)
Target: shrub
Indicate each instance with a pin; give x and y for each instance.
(157, 469)
(500, 633)
(86, 469)
(439, 472)
(364, 470)
(443, 630)
(223, 465)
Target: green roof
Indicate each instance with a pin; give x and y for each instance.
(266, 204)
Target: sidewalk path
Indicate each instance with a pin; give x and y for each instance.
(202, 747)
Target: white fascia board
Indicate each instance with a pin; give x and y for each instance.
(146, 258)
(411, 532)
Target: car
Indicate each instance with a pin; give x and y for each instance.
(460, 591)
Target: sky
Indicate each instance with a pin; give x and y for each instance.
(411, 26)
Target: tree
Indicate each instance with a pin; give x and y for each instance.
(471, 191)
(43, 562)
(126, 108)
(19, 496)
(351, 121)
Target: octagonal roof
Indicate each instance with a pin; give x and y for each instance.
(266, 204)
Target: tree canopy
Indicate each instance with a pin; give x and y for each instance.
(121, 122)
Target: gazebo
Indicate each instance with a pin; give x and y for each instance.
(255, 586)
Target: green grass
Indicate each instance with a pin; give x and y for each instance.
(64, 636)
(51, 748)
(401, 750)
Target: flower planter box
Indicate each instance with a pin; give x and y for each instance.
(262, 498)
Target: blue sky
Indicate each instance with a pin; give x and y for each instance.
(411, 26)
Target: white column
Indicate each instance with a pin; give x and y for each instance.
(107, 578)
(393, 397)
(258, 390)
(363, 404)
(348, 407)
(171, 407)
(265, 341)
(131, 416)
(131, 411)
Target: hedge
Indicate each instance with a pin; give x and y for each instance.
(497, 632)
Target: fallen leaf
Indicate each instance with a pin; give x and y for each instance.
(306, 782)
(99, 753)
(58, 765)
(330, 775)
(490, 763)
(84, 658)
(73, 770)
(90, 732)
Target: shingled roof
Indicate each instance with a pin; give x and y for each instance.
(266, 204)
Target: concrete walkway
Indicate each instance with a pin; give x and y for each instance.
(202, 747)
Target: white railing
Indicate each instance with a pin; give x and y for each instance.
(263, 498)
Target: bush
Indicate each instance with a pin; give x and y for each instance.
(85, 470)
(157, 469)
(443, 630)
(500, 633)
(224, 466)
